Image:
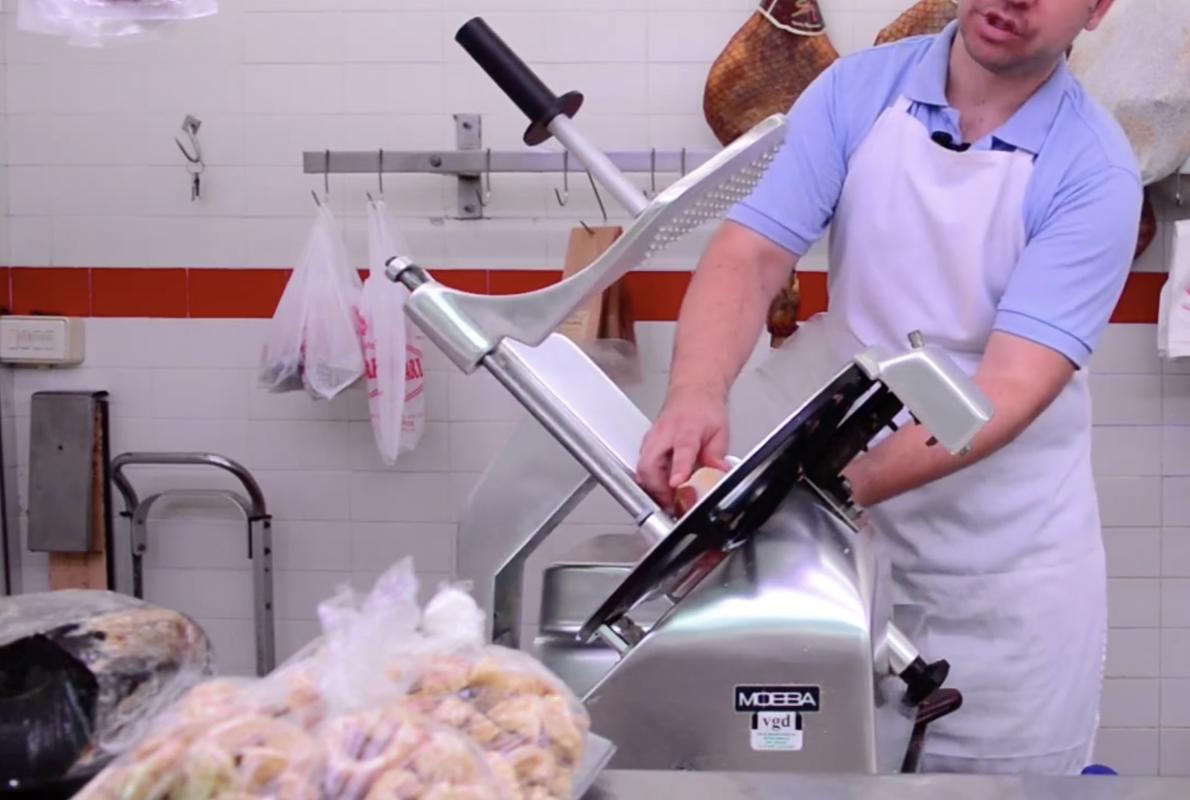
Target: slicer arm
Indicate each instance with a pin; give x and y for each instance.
(935, 391)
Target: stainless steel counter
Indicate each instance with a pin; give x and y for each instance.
(617, 785)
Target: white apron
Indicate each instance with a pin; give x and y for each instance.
(1006, 556)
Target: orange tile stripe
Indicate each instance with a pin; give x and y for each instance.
(170, 292)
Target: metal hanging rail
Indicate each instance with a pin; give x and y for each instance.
(470, 161)
(479, 162)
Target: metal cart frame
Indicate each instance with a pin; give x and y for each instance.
(130, 573)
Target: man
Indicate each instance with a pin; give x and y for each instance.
(976, 193)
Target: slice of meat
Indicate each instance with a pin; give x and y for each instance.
(923, 17)
(766, 66)
(699, 486)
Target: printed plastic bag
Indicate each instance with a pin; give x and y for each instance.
(94, 22)
(1135, 65)
(312, 340)
(392, 347)
(391, 701)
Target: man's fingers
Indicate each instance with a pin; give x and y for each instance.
(714, 452)
(685, 458)
(652, 470)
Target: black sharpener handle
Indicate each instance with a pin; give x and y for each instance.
(517, 80)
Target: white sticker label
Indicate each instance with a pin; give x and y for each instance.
(777, 730)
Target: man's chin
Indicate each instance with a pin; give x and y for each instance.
(996, 61)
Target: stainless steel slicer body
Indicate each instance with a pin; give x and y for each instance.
(758, 632)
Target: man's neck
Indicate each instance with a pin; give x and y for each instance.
(986, 100)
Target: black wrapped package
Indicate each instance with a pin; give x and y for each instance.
(82, 673)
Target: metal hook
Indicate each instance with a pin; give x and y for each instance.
(190, 126)
(326, 176)
(564, 197)
(486, 195)
(653, 172)
(598, 199)
(317, 202)
(380, 173)
(683, 162)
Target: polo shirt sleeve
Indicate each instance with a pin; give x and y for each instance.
(795, 200)
(1071, 273)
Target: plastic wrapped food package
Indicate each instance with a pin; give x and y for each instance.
(82, 674)
(392, 701)
(231, 741)
(532, 730)
(94, 22)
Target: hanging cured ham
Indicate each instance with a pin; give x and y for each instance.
(923, 17)
(766, 66)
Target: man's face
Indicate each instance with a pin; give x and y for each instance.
(1007, 36)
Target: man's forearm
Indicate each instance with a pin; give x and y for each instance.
(1020, 380)
(724, 309)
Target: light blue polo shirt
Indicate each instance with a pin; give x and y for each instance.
(1082, 205)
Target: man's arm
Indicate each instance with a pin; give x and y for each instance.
(1060, 298)
(747, 262)
(725, 307)
(721, 317)
(1019, 377)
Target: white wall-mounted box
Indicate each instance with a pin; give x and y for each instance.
(42, 341)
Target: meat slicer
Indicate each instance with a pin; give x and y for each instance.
(759, 631)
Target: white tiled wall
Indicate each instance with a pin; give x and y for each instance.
(340, 515)
(90, 176)
(96, 178)
(1140, 440)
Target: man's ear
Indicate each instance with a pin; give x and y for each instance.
(1099, 9)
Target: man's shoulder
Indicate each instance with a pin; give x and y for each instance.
(1091, 137)
(884, 65)
(864, 83)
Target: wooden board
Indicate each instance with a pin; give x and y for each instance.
(583, 324)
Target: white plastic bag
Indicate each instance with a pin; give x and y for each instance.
(281, 364)
(392, 347)
(94, 22)
(332, 354)
(1173, 318)
(312, 340)
(1135, 66)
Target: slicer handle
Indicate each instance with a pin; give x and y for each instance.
(924, 679)
(517, 80)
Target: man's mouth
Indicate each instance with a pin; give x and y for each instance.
(1002, 23)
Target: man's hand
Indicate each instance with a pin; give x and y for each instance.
(690, 432)
(722, 315)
